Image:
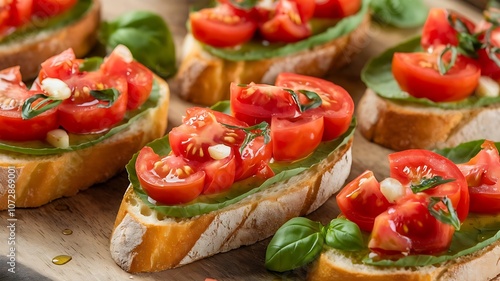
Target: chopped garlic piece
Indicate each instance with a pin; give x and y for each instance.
(56, 88)
(124, 53)
(219, 151)
(487, 87)
(58, 138)
(392, 189)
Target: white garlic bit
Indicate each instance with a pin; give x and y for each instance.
(487, 87)
(56, 88)
(124, 53)
(392, 189)
(219, 151)
(58, 138)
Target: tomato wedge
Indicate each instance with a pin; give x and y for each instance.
(219, 174)
(438, 31)
(221, 26)
(361, 200)
(286, 24)
(255, 103)
(47, 8)
(336, 8)
(483, 177)
(488, 66)
(13, 127)
(418, 75)
(169, 180)
(20, 12)
(337, 106)
(61, 66)
(414, 165)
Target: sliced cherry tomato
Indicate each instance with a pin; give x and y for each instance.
(254, 103)
(409, 228)
(254, 160)
(286, 24)
(61, 66)
(483, 177)
(336, 8)
(169, 180)
(219, 174)
(337, 106)
(82, 113)
(295, 138)
(13, 93)
(361, 200)
(488, 66)
(47, 8)
(438, 31)
(417, 74)
(221, 26)
(414, 165)
(201, 130)
(20, 12)
(139, 78)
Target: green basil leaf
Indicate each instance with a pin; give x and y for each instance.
(147, 36)
(449, 217)
(261, 129)
(242, 189)
(377, 75)
(400, 13)
(445, 67)
(476, 232)
(314, 100)
(29, 111)
(256, 50)
(81, 141)
(463, 152)
(344, 235)
(296, 243)
(108, 95)
(428, 183)
(79, 10)
(91, 64)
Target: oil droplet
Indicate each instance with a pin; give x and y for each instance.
(67, 231)
(61, 259)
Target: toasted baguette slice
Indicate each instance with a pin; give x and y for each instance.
(401, 126)
(40, 179)
(481, 266)
(30, 51)
(145, 241)
(205, 79)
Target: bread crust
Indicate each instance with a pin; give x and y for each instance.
(145, 241)
(205, 79)
(404, 126)
(41, 179)
(30, 52)
(481, 266)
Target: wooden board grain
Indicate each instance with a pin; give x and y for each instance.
(90, 214)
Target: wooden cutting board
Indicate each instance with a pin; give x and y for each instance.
(90, 214)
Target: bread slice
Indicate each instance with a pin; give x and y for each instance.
(204, 79)
(40, 179)
(145, 241)
(481, 265)
(401, 126)
(30, 51)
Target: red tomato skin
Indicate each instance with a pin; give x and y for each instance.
(221, 26)
(336, 8)
(361, 200)
(86, 116)
(294, 139)
(20, 12)
(337, 105)
(409, 228)
(61, 66)
(254, 160)
(426, 82)
(286, 25)
(482, 173)
(219, 175)
(438, 31)
(160, 188)
(255, 103)
(139, 78)
(414, 164)
(48, 8)
(488, 66)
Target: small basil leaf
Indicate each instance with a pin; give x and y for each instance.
(29, 111)
(244, 4)
(400, 13)
(147, 36)
(110, 95)
(344, 235)
(314, 100)
(428, 183)
(445, 67)
(91, 64)
(252, 132)
(296, 243)
(448, 217)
